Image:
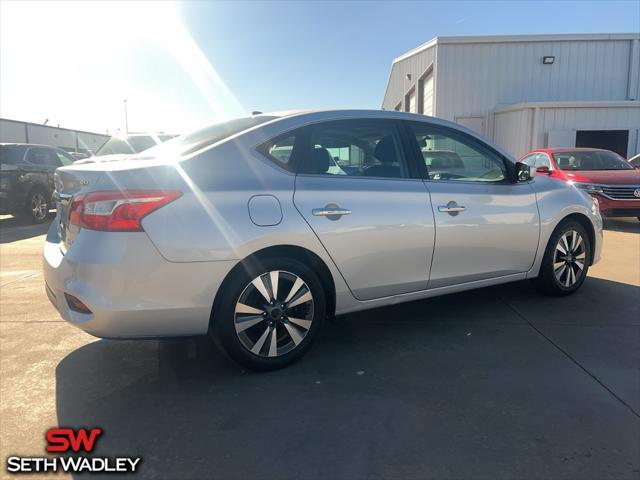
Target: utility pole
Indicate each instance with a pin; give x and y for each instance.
(126, 118)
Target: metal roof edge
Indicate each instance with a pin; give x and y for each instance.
(567, 104)
(554, 37)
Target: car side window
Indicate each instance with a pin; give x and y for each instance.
(454, 156)
(280, 150)
(10, 155)
(43, 157)
(542, 160)
(356, 148)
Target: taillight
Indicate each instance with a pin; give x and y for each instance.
(117, 211)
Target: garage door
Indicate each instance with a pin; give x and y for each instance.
(427, 95)
(412, 101)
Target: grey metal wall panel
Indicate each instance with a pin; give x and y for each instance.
(606, 118)
(513, 131)
(12, 132)
(516, 132)
(475, 78)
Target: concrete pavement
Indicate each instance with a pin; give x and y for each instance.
(494, 383)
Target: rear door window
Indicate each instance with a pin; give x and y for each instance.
(356, 148)
(44, 157)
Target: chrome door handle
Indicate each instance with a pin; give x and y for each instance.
(330, 212)
(444, 208)
(452, 208)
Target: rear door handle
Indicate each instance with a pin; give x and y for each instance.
(444, 208)
(452, 208)
(330, 212)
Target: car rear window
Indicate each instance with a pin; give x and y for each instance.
(199, 139)
(128, 145)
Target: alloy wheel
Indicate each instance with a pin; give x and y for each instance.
(39, 206)
(273, 313)
(569, 258)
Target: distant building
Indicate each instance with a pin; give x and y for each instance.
(528, 91)
(13, 131)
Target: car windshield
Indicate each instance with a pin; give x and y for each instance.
(590, 160)
(192, 142)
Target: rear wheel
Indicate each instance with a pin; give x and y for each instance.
(37, 205)
(566, 260)
(268, 318)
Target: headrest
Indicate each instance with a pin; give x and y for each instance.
(320, 160)
(385, 150)
(439, 163)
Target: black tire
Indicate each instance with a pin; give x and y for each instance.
(547, 281)
(239, 285)
(36, 207)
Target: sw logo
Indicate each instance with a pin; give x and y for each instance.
(64, 440)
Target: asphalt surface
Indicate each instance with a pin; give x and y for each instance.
(495, 383)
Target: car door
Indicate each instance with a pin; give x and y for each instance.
(45, 161)
(367, 204)
(486, 225)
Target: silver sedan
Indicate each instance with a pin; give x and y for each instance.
(255, 230)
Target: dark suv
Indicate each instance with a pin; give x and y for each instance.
(26, 179)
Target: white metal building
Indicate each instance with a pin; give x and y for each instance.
(529, 91)
(13, 131)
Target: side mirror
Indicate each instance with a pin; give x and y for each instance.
(523, 172)
(544, 169)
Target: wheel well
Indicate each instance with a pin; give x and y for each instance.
(251, 263)
(588, 226)
(38, 187)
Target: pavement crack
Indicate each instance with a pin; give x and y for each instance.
(570, 357)
(21, 278)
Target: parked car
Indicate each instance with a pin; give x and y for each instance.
(635, 161)
(603, 174)
(121, 147)
(220, 232)
(26, 179)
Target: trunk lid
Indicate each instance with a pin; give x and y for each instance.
(69, 183)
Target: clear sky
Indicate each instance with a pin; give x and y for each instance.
(186, 64)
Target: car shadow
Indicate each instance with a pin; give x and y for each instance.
(451, 385)
(626, 225)
(13, 229)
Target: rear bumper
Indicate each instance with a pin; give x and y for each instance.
(131, 290)
(618, 208)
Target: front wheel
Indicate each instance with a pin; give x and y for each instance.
(268, 316)
(566, 260)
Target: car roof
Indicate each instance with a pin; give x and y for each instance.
(28, 145)
(570, 149)
(339, 114)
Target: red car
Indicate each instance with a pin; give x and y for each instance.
(603, 174)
